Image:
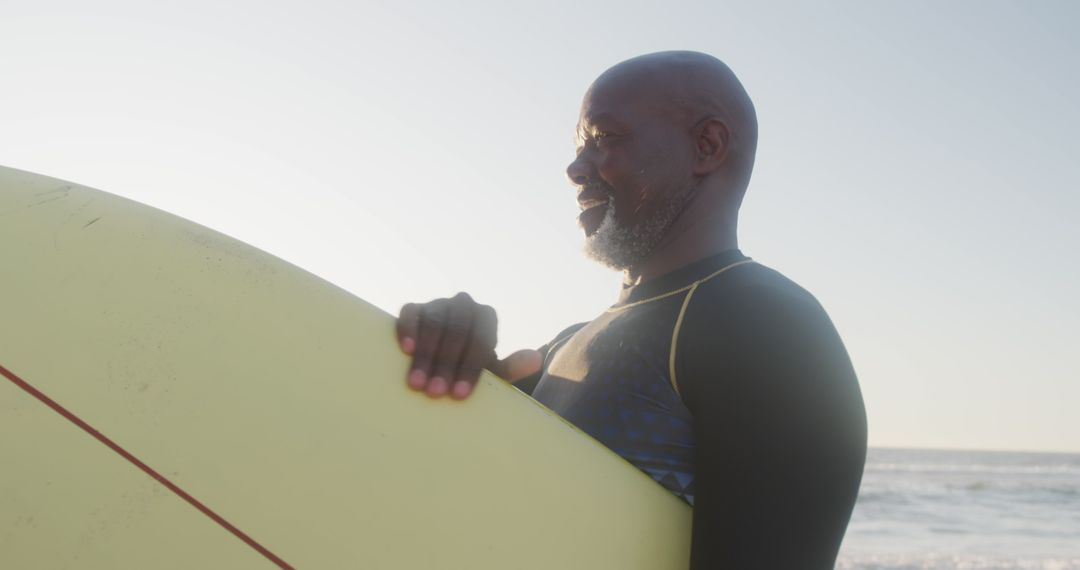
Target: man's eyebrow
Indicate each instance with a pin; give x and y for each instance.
(589, 124)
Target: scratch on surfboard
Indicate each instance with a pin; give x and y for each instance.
(60, 193)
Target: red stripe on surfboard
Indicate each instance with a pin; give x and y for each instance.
(144, 467)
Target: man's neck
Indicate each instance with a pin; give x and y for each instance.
(685, 249)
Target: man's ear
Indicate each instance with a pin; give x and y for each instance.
(712, 139)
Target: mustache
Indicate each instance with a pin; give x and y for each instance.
(597, 186)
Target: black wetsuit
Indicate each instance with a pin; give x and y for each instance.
(754, 416)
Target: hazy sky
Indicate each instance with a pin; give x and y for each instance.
(917, 170)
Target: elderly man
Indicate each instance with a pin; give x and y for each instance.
(718, 376)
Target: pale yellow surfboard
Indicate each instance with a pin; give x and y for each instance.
(275, 401)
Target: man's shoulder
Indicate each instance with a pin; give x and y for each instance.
(752, 286)
(762, 331)
(754, 311)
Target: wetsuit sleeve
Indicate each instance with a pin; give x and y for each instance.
(780, 431)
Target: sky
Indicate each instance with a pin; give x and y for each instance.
(917, 167)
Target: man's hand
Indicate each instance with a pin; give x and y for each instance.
(451, 341)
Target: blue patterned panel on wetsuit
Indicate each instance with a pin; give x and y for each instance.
(611, 380)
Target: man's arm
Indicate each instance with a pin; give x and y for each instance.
(528, 384)
(780, 430)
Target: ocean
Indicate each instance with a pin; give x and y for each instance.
(965, 510)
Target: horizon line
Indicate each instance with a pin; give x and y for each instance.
(970, 449)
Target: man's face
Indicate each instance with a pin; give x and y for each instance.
(632, 170)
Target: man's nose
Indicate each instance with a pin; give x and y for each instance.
(579, 171)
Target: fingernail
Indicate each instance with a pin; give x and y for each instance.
(417, 379)
(437, 387)
(462, 389)
(408, 345)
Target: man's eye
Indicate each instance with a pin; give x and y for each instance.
(602, 137)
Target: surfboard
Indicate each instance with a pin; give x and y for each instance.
(171, 397)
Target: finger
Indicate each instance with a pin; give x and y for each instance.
(480, 350)
(432, 317)
(408, 326)
(521, 364)
(454, 339)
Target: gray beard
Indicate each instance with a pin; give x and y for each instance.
(620, 247)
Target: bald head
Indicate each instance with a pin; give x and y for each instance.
(667, 141)
(687, 87)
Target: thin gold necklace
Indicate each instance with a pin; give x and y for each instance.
(681, 289)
